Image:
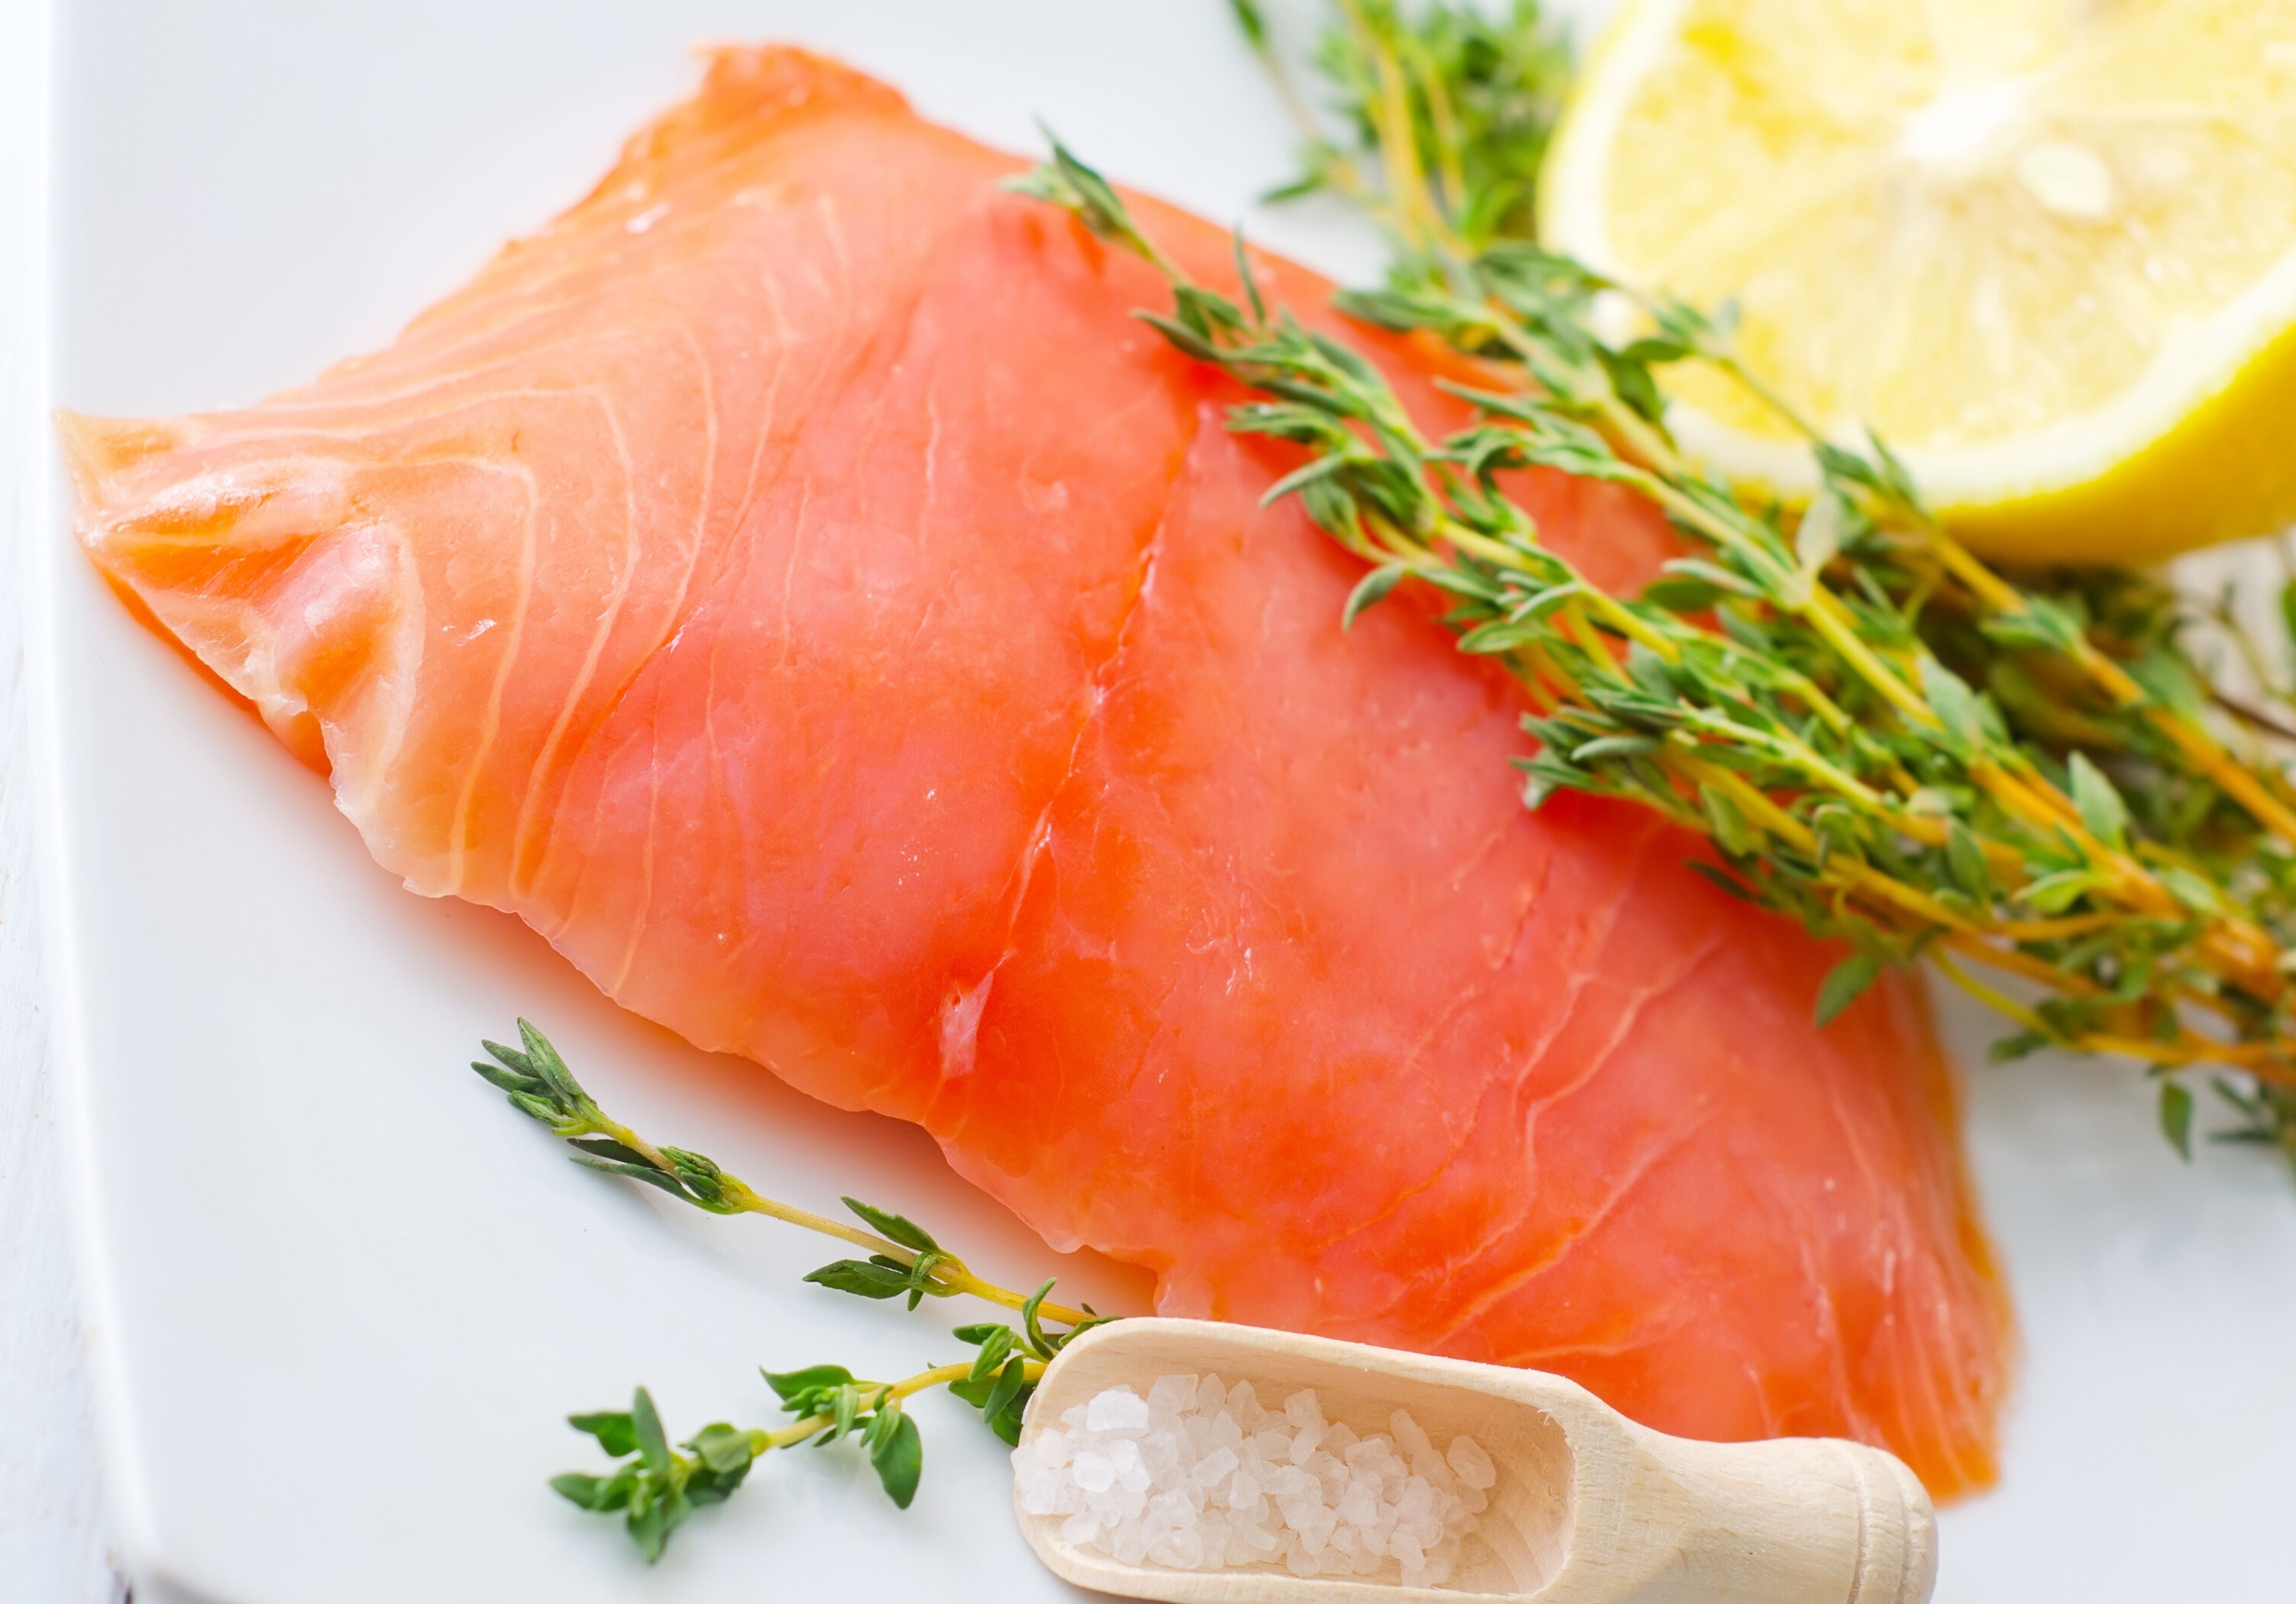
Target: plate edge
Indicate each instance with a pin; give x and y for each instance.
(29, 38)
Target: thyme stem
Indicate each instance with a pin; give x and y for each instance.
(538, 1084)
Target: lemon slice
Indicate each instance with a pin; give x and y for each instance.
(2045, 247)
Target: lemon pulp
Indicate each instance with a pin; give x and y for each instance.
(2047, 249)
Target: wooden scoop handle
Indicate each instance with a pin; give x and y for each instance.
(1795, 1521)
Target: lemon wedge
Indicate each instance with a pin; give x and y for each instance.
(2047, 249)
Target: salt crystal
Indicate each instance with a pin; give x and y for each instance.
(1172, 1394)
(1118, 1410)
(1302, 1409)
(1131, 1546)
(1184, 1549)
(1197, 1474)
(1163, 1452)
(1215, 1468)
(1473, 1464)
(1243, 1404)
(1175, 1507)
(1315, 1527)
(1288, 1481)
(1131, 1470)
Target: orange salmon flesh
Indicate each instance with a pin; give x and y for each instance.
(793, 584)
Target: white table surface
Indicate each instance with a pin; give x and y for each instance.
(52, 1546)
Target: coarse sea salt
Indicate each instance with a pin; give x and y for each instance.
(1200, 1475)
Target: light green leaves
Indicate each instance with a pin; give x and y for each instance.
(2100, 806)
(996, 1344)
(1818, 540)
(1953, 702)
(803, 1390)
(1965, 861)
(656, 1489)
(882, 1276)
(1370, 590)
(828, 1394)
(646, 1433)
(893, 1227)
(1730, 829)
(1069, 184)
(1844, 984)
(896, 1452)
(539, 1085)
(2053, 893)
(615, 1431)
(1000, 1396)
(2176, 1116)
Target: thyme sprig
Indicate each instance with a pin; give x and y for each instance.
(904, 1260)
(657, 1487)
(1481, 88)
(1784, 691)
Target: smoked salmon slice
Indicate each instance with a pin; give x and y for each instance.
(794, 585)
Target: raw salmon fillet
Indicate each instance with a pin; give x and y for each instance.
(792, 585)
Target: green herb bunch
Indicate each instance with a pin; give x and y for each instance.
(1481, 89)
(658, 1486)
(1879, 736)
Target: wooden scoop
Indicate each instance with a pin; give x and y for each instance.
(1589, 1508)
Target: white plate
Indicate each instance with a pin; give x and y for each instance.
(343, 1295)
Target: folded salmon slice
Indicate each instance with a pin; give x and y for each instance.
(792, 583)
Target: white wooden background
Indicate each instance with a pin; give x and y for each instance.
(52, 1546)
